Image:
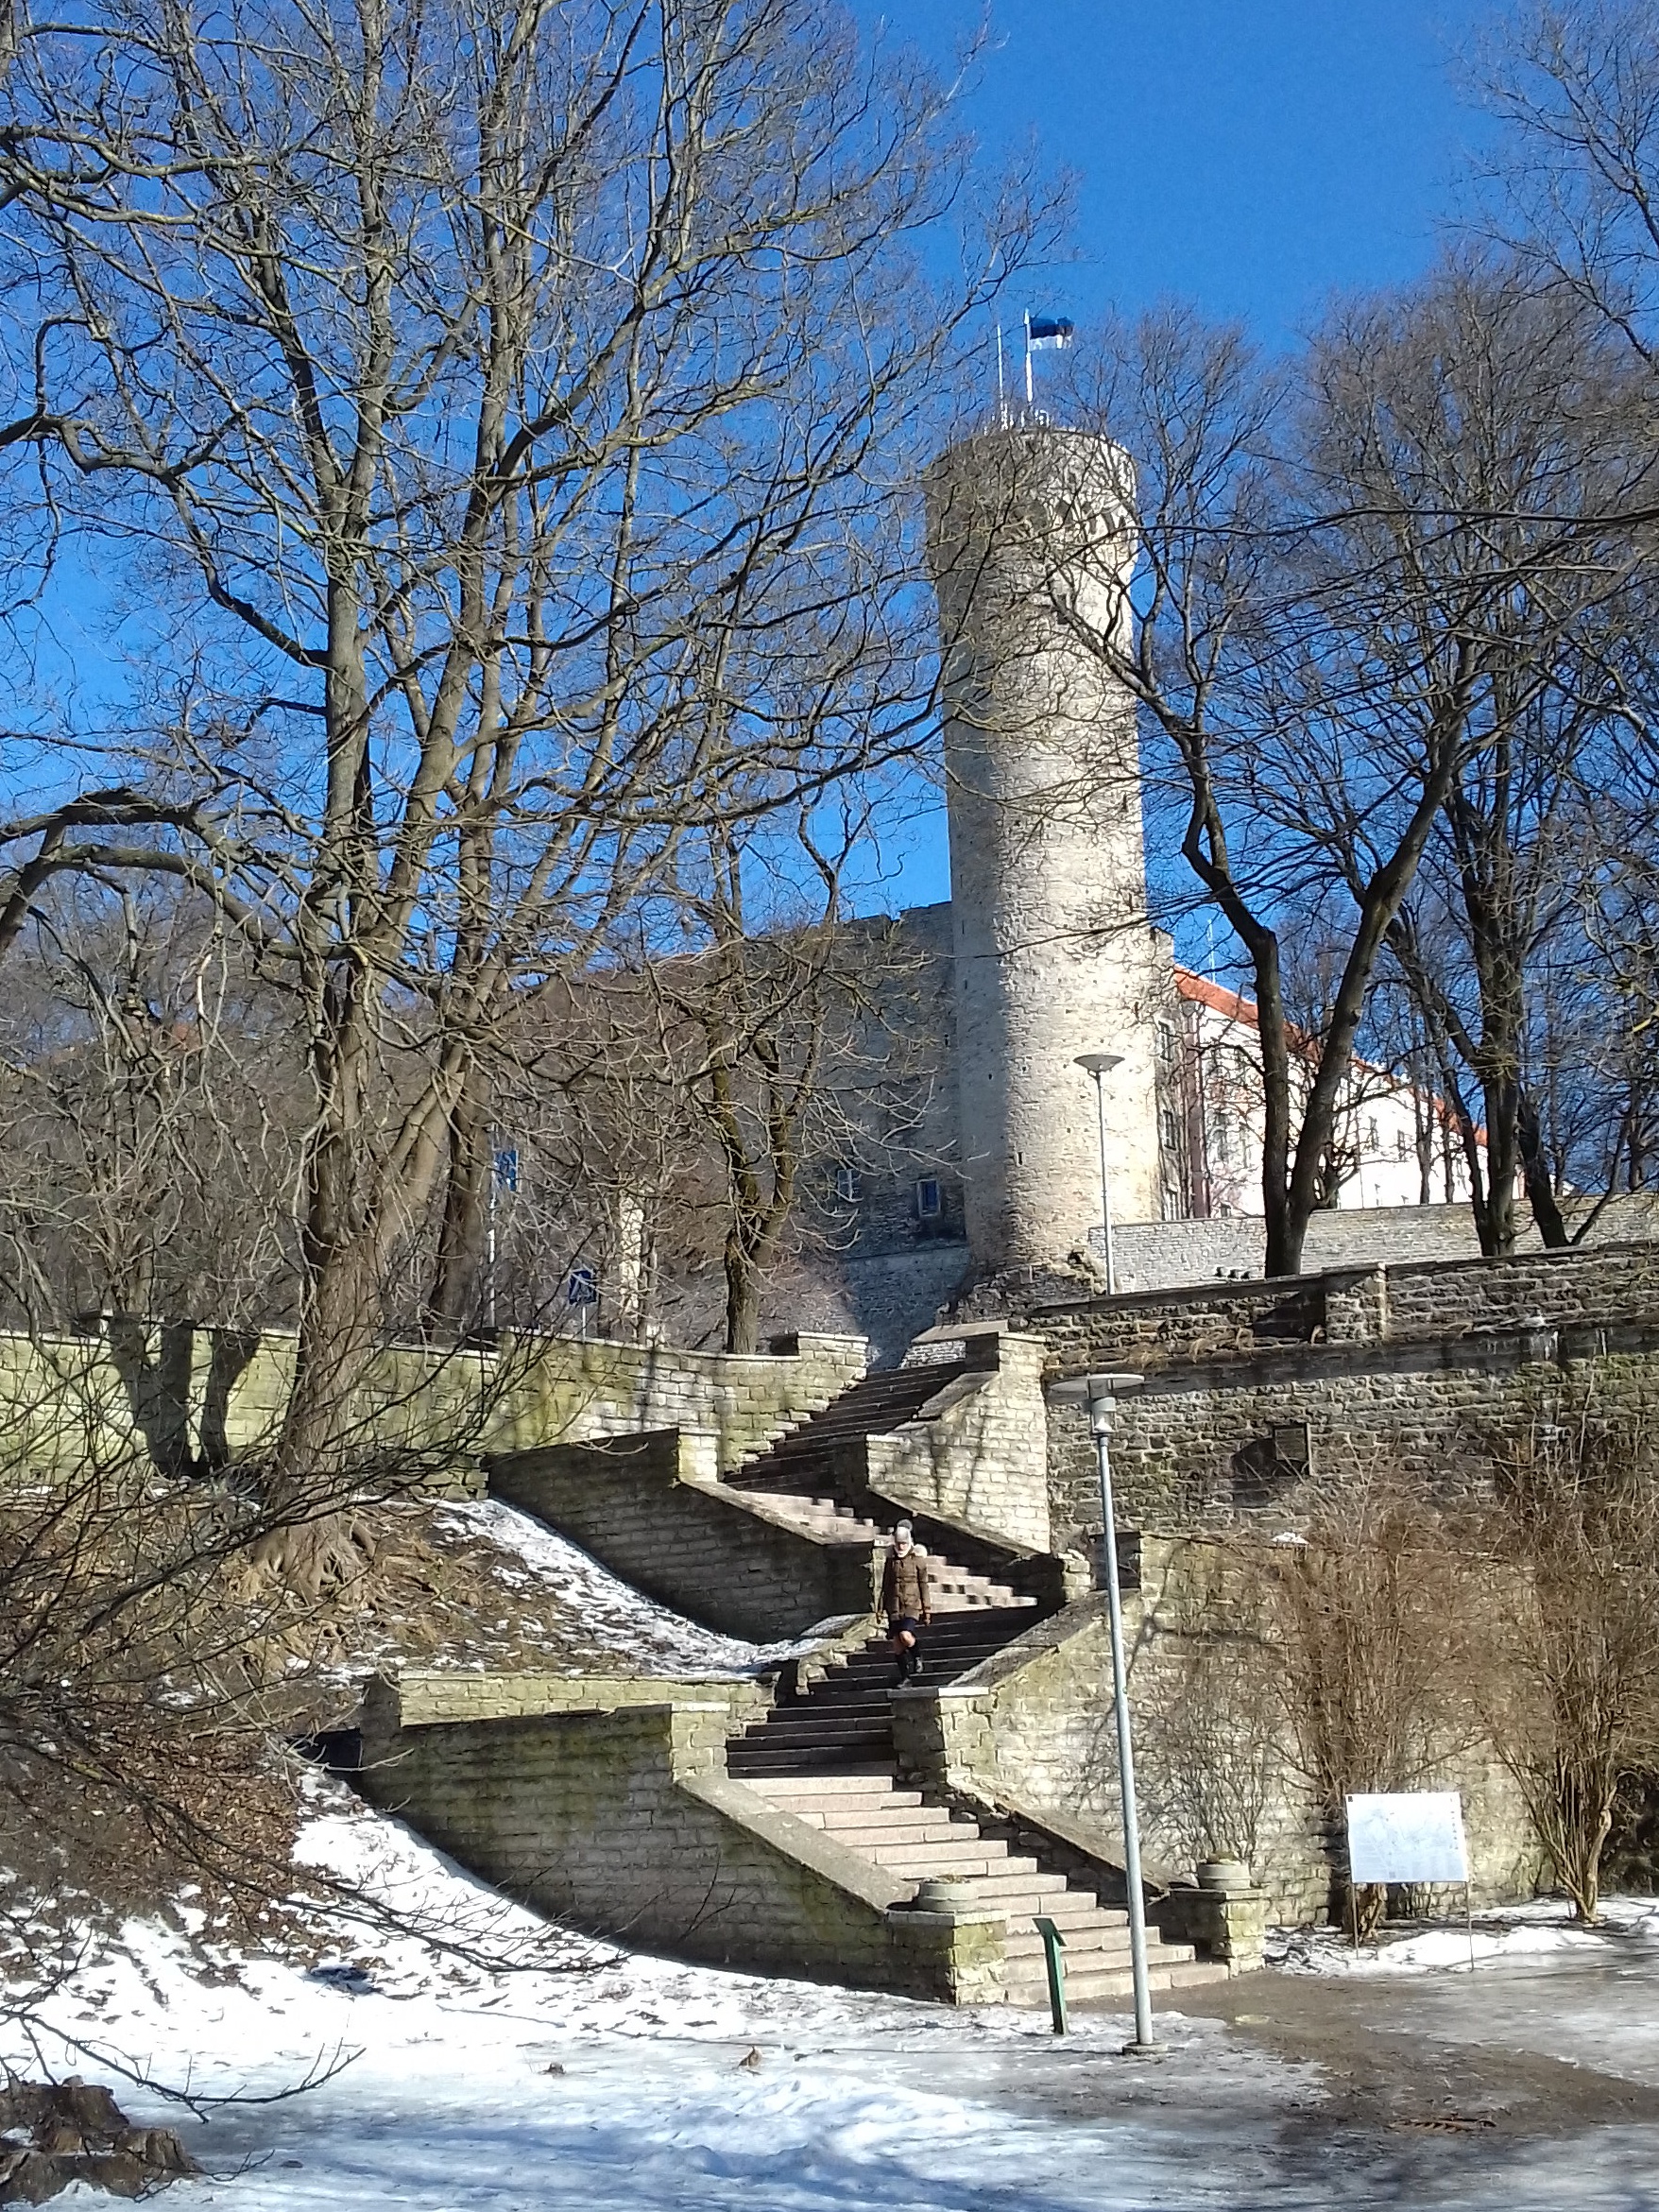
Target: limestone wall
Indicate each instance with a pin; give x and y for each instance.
(625, 1824)
(189, 1396)
(1159, 1254)
(980, 1457)
(1032, 1730)
(1208, 1446)
(719, 1556)
(423, 1697)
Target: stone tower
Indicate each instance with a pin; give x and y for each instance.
(1031, 554)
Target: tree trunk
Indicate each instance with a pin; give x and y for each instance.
(742, 1296)
(1535, 1170)
(456, 1302)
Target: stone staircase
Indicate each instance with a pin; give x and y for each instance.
(824, 1752)
(955, 1590)
(801, 1462)
(844, 1723)
(870, 1814)
(827, 1757)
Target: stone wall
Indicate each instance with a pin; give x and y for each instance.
(1032, 1731)
(1221, 1321)
(722, 1557)
(1158, 1255)
(1265, 1440)
(625, 1824)
(187, 1395)
(980, 1457)
(423, 1697)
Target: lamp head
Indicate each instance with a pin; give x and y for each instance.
(1099, 1392)
(1099, 1063)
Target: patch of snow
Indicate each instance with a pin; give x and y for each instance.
(610, 1611)
(490, 2063)
(1541, 1930)
(465, 2054)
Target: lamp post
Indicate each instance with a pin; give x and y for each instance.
(1099, 1066)
(1100, 1394)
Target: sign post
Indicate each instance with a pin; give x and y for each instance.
(1408, 1836)
(581, 1292)
(504, 1175)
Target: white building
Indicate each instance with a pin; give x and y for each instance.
(1396, 1145)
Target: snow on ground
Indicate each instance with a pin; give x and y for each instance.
(488, 2063)
(1523, 1931)
(534, 1562)
(481, 2058)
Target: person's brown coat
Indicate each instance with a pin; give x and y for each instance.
(905, 1592)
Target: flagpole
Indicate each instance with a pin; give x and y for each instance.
(1030, 400)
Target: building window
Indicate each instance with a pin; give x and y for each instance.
(1166, 1045)
(847, 1184)
(1402, 1145)
(928, 1203)
(1372, 1138)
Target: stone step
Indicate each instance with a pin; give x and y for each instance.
(1111, 1983)
(858, 1835)
(824, 1736)
(1026, 1892)
(1081, 1941)
(791, 1763)
(1069, 1911)
(820, 1787)
(920, 1860)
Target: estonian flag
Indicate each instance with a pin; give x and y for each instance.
(1043, 331)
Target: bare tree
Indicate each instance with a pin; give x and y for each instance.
(449, 377)
(1570, 1685)
(1356, 584)
(1369, 1604)
(1576, 83)
(150, 1115)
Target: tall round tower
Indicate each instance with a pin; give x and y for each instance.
(1031, 551)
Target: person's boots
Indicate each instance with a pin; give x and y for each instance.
(913, 1663)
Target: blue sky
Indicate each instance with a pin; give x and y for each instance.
(1252, 156)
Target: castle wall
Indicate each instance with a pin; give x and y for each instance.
(1420, 1369)
(1159, 1254)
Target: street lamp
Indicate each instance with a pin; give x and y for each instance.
(1099, 1066)
(1100, 1394)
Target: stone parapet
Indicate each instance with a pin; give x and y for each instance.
(977, 1454)
(1229, 1927)
(625, 1822)
(723, 1557)
(191, 1396)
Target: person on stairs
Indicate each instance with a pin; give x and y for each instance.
(906, 1600)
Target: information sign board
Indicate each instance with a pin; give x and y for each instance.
(1408, 1836)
